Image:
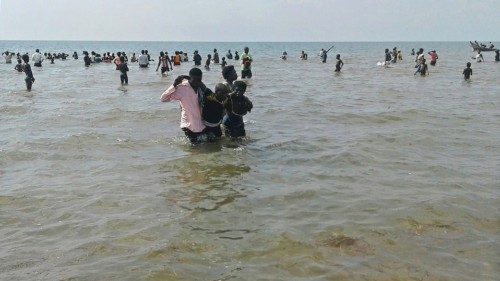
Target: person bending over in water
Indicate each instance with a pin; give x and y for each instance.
(467, 73)
(229, 56)
(339, 64)
(422, 69)
(246, 64)
(75, 55)
(187, 90)
(284, 56)
(19, 66)
(236, 55)
(303, 56)
(123, 71)
(29, 74)
(8, 57)
(236, 105)
(207, 62)
(479, 57)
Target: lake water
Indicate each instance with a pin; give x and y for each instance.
(370, 174)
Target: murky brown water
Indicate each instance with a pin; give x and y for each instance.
(373, 174)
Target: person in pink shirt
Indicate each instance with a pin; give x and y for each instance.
(187, 90)
(434, 57)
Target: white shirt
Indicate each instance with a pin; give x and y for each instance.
(37, 58)
(8, 58)
(143, 60)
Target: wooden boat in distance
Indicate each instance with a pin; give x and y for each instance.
(476, 47)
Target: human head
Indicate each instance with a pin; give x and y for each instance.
(246, 50)
(196, 52)
(162, 54)
(338, 56)
(386, 50)
(215, 50)
(38, 51)
(19, 61)
(195, 75)
(229, 73)
(221, 92)
(26, 58)
(468, 64)
(119, 54)
(421, 50)
(209, 56)
(239, 86)
(142, 52)
(223, 58)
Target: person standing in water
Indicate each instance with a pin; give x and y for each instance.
(197, 58)
(86, 59)
(497, 55)
(207, 62)
(323, 55)
(229, 56)
(412, 52)
(422, 69)
(236, 55)
(186, 90)
(8, 57)
(75, 56)
(224, 62)
(237, 105)
(29, 74)
(37, 58)
(246, 64)
(123, 71)
(19, 66)
(216, 57)
(143, 60)
(339, 64)
(284, 56)
(388, 57)
(434, 57)
(479, 57)
(467, 73)
(163, 61)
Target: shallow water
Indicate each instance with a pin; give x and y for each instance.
(371, 174)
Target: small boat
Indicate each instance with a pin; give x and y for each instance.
(476, 47)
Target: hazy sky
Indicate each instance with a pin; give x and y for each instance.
(251, 20)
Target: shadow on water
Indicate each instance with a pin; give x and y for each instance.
(206, 180)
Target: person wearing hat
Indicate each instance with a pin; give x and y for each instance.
(188, 90)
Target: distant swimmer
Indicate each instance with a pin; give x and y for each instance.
(434, 57)
(303, 56)
(237, 105)
(143, 60)
(8, 57)
(422, 69)
(246, 64)
(339, 64)
(197, 58)
(75, 55)
(229, 56)
(284, 56)
(19, 66)
(29, 74)
(467, 73)
(207, 62)
(37, 58)
(216, 57)
(123, 71)
(497, 55)
(388, 57)
(224, 62)
(164, 61)
(412, 52)
(236, 55)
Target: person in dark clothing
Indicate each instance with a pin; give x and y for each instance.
(197, 58)
(29, 74)
(75, 55)
(86, 59)
(224, 62)
(207, 62)
(229, 56)
(19, 66)
(236, 105)
(236, 55)
(467, 72)
(422, 69)
(123, 70)
(497, 55)
(212, 111)
(387, 57)
(339, 64)
(216, 57)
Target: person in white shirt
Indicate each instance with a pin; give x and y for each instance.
(8, 57)
(37, 58)
(143, 60)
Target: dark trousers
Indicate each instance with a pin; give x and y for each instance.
(29, 82)
(124, 78)
(246, 73)
(193, 137)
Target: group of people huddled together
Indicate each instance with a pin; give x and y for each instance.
(203, 111)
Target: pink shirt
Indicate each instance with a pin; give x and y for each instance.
(191, 111)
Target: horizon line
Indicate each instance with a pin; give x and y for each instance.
(203, 41)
